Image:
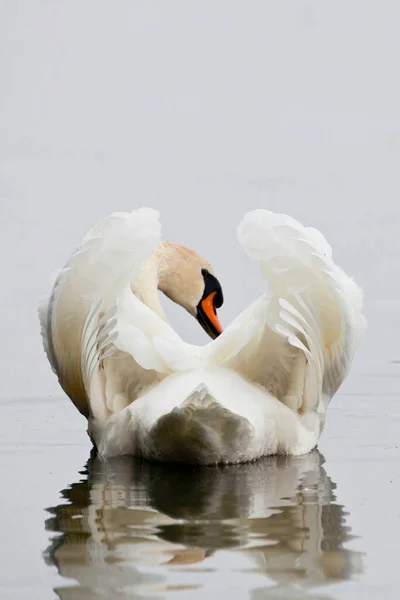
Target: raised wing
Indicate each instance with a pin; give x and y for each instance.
(126, 349)
(77, 319)
(312, 317)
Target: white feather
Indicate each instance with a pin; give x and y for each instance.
(322, 307)
(262, 387)
(109, 256)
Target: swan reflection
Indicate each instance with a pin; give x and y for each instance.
(133, 527)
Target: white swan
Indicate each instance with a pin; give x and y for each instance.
(261, 387)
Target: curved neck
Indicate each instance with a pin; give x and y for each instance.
(149, 281)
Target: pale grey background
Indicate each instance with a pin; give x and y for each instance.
(205, 110)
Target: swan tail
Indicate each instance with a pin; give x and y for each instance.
(200, 431)
(314, 318)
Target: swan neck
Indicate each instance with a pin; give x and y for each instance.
(147, 284)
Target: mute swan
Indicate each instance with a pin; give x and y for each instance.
(262, 386)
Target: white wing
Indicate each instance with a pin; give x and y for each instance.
(312, 316)
(126, 349)
(77, 319)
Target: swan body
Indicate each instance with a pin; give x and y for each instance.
(261, 387)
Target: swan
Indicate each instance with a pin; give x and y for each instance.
(261, 386)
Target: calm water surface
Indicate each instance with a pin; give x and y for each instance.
(134, 527)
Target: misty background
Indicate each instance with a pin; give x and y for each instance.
(203, 110)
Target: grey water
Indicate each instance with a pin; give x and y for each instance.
(203, 110)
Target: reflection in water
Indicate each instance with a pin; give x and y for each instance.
(133, 528)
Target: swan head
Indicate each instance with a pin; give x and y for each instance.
(189, 280)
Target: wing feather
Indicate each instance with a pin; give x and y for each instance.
(314, 321)
(78, 321)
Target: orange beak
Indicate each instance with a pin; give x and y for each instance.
(208, 318)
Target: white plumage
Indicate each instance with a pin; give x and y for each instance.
(262, 387)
